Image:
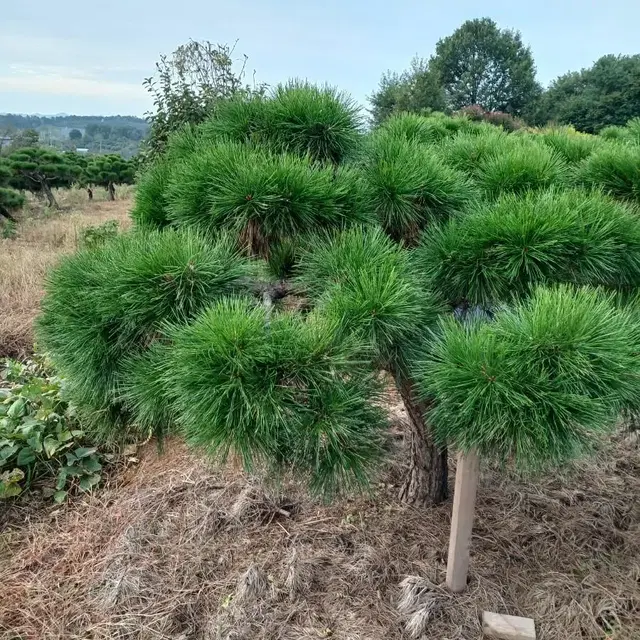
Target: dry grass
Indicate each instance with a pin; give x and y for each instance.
(41, 239)
(178, 549)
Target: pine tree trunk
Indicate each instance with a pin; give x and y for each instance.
(49, 195)
(112, 191)
(426, 483)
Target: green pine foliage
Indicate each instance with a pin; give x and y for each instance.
(365, 282)
(614, 168)
(258, 196)
(319, 122)
(428, 129)
(150, 208)
(571, 145)
(408, 186)
(502, 249)
(524, 165)
(104, 305)
(539, 384)
(286, 391)
(467, 151)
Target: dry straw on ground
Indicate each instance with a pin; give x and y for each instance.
(41, 239)
(178, 549)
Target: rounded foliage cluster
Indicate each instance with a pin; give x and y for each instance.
(502, 249)
(106, 304)
(616, 169)
(537, 385)
(286, 390)
(408, 186)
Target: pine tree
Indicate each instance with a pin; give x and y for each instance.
(431, 249)
(108, 171)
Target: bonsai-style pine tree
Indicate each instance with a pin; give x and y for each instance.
(109, 170)
(391, 248)
(10, 199)
(38, 170)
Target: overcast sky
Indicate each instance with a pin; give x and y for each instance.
(90, 57)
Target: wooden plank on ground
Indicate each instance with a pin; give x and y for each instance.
(503, 627)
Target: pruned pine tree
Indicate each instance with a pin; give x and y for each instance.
(10, 199)
(108, 171)
(396, 250)
(38, 170)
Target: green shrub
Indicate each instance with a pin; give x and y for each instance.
(502, 249)
(409, 186)
(524, 165)
(92, 237)
(105, 305)
(426, 129)
(537, 385)
(614, 168)
(285, 391)
(615, 133)
(257, 196)
(466, 151)
(41, 441)
(319, 122)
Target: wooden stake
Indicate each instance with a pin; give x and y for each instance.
(464, 502)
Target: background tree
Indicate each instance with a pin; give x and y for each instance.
(108, 171)
(10, 199)
(608, 93)
(38, 170)
(415, 90)
(27, 139)
(75, 135)
(189, 84)
(485, 65)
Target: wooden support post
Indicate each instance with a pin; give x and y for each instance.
(464, 502)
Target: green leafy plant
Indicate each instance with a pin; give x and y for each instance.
(40, 438)
(92, 237)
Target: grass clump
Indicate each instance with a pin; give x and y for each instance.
(572, 145)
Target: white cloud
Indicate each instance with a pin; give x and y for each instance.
(70, 83)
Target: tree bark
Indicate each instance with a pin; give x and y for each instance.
(49, 194)
(111, 189)
(426, 482)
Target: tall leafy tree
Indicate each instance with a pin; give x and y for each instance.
(108, 171)
(415, 90)
(608, 93)
(38, 170)
(187, 86)
(482, 64)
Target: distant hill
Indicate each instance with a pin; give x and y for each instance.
(99, 134)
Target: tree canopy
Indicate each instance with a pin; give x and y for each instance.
(608, 93)
(485, 65)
